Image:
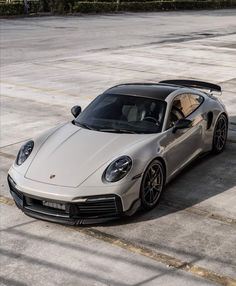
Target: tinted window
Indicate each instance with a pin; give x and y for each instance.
(123, 113)
(187, 103)
(183, 105)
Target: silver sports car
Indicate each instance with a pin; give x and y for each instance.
(118, 154)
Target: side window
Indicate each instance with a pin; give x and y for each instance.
(189, 103)
(182, 106)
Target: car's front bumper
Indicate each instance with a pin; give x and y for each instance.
(92, 209)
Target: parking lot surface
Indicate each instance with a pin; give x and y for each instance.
(49, 64)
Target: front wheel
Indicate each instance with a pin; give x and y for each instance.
(220, 134)
(152, 185)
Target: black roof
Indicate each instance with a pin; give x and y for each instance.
(150, 90)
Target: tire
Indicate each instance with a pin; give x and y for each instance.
(220, 134)
(152, 185)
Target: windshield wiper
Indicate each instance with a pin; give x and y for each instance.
(104, 129)
(84, 125)
(116, 130)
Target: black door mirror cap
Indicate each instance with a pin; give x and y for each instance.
(76, 110)
(181, 124)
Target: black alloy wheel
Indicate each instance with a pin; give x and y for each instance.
(220, 134)
(152, 185)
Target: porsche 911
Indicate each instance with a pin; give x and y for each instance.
(117, 155)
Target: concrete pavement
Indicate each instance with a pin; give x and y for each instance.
(50, 64)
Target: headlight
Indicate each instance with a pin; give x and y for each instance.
(24, 152)
(118, 169)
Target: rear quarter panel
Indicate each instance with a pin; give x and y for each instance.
(212, 105)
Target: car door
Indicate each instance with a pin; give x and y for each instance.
(184, 144)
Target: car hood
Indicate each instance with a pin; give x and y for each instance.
(71, 154)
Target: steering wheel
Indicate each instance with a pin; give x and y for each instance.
(151, 119)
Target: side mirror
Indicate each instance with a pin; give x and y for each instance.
(75, 110)
(181, 124)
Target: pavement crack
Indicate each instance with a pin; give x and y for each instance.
(11, 144)
(163, 258)
(198, 211)
(6, 201)
(7, 155)
(168, 260)
(178, 38)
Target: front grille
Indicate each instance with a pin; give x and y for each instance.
(91, 208)
(97, 206)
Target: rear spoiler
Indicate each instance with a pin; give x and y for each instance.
(193, 83)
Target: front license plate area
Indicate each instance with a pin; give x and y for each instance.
(58, 206)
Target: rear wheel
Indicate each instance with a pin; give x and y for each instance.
(152, 185)
(220, 134)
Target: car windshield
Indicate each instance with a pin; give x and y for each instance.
(123, 114)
